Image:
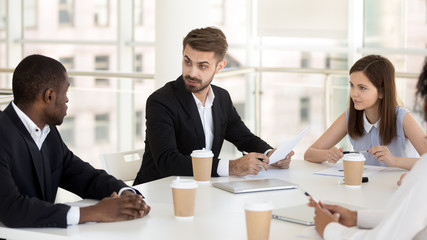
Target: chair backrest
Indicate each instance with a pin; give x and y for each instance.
(123, 165)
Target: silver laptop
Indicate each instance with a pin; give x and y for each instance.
(256, 185)
(302, 214)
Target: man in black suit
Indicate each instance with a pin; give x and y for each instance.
(190, 113)
(34, 160)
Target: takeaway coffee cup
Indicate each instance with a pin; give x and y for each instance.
(202, 165)
(258, 218)
(353, 169)
(184, 197)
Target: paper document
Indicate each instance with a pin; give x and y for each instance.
(337, 170)
(286, 147)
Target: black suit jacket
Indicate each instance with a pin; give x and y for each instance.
(30, 177)
(174, 130)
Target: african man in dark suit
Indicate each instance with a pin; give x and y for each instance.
(34, 161)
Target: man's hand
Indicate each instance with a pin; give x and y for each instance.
(115, 208)
(251, 163)
(284, 163)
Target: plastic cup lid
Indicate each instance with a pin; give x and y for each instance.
(357, 157)
(258, 205)
(184, 183)
(202, 153)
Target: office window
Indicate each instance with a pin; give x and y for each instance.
(304, 109)
(305, 60)
(66, 12)
(139, 123)
(218, 12)
(102, 63)
(138, 63)
(240, 108)
(138, 12)
(68, 63)
(2, 14)
(101, 13)
(102, 128)
(30, 13)
(67, 130)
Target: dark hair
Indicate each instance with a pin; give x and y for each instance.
(422, 88)
(210, 39)
(380, 72)
(422, 82)
(34, 75)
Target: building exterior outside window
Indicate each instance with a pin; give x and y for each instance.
(102, 63)
(102, 128)
(66, 12)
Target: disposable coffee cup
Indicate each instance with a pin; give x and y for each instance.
(202, 165)
(184, 197)
(353, 169)
(258, 218)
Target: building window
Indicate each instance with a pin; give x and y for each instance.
(67, 130)
(138, 62)
(139, 123)
(66, 12)
(328, 62)
(218, 12)
(304, 109)
(305, 60)
(68, 63)
(2, 14)
(138, 12)
(240, 108)
(30, 13)
(102, 63)
(102, 123)
(101, 13)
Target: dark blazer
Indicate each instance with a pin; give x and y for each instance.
(30, 177)
(174, 130)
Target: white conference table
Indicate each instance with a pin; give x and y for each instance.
(220, 214)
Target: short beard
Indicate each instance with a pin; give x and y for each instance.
(194, 89)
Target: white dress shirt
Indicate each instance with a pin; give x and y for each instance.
(205, 113)
(405, 216)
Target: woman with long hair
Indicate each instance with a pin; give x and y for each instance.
(374, 121)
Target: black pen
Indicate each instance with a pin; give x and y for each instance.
(364, 180)
(347, 152)
(309, 196)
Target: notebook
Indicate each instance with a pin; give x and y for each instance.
(256, 185)
(302, 214)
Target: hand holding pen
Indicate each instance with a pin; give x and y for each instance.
(334, 154)
(322, 215)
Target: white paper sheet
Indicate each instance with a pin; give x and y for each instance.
(337, 170)
(286, 147)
